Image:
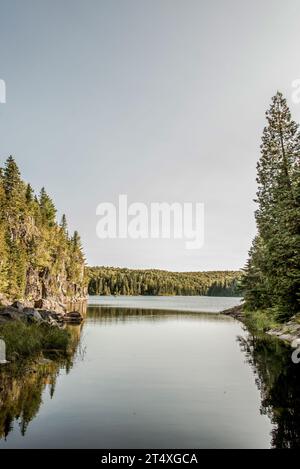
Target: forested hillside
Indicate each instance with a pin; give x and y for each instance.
(272, 279)
(117, 281)
(38, 257)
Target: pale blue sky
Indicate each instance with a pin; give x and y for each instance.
(162, 100)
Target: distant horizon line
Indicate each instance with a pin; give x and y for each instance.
(161, 270)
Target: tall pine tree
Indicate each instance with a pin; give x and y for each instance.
(35, 251)
(273, 270)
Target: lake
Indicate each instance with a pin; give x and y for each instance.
(199, 304)
(157, 372)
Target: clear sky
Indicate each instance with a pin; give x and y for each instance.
(162, 100)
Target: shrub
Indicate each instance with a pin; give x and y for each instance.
(24, 339)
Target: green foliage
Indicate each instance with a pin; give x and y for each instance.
(260, 320)
(38, 259)
(22, 387)
(47, 208)
(272, 277)
(25, 340)
(63, 224)
(117, 281)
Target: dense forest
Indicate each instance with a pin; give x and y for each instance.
(272, 279)
(38, 257)
(118, 281)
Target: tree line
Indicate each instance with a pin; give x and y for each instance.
(38, 257)
(272, 273)
(121, 281)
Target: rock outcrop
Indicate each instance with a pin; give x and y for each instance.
(288, 332)
(73, 317)
(235, 312)
(19, 312)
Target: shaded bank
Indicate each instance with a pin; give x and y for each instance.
(28, 332)
(277, 376)
(262, 321)
(278, 380)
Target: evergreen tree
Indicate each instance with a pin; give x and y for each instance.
(12, 183)
(117, 281)
(273, 271)
(29, 194)
(47, 208)
(63, 224)
(3, 244)
(34, 250)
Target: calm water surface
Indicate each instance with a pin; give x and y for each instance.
(154, 378)
(199, 304)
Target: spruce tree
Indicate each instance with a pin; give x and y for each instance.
(64, 224)
(34, 250)
(3, 243)
(11, 179)
(47, 208)
(275, 260)
(29, 194)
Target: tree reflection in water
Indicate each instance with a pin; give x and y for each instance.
(276, 376)
(278, 380)
(22, 386)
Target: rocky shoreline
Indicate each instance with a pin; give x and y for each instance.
(54, 314)
(235, 312)
(57, 317)
(288, 332)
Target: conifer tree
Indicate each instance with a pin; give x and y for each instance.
(11, 179)
(276, 258)
(29, 194)
(3, 244)
(63, 224)
(47, 208)
(34, 250)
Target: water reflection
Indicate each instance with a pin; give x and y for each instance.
(21, 391)
(23, 388)
(278, 380)
(22, 385)
(106, 314)
(203, 304)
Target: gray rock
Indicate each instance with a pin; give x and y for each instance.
(18, 305)
(276, 332)
(28, 311)
(286, 337)
(57, 316)
(46, 315)
(33, 315)
(52, 322)
(74, 317)
(11, 314)
(49, 304)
